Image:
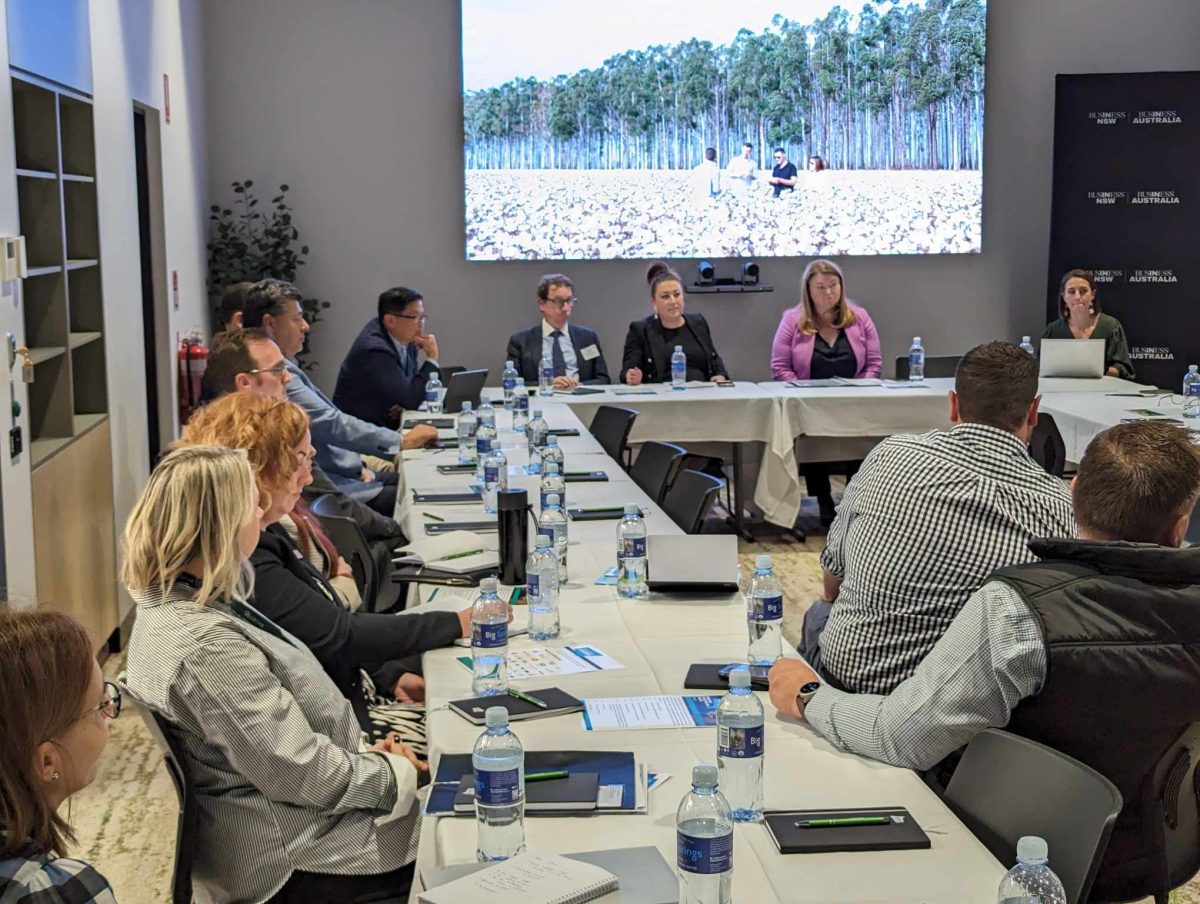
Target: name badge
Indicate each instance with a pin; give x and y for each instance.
(590, 352)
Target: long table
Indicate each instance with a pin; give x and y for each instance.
(656, 640)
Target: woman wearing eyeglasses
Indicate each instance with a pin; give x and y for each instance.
(293, 806)
(56, 711)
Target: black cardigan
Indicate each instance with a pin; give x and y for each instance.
(293, 594)
(646, 349)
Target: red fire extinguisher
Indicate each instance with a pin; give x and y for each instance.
(193, 361)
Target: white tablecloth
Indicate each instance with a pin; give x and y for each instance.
(656, 640)
(1081, 415)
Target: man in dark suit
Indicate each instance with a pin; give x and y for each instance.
(573, 350)
(389, 363)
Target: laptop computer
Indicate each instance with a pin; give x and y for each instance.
(1072, 358)
(692, 563)
(464, 386)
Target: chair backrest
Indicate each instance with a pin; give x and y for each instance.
(655, 467)
(185, 830)
(1007, 786)
(690, 497)
(350, 542)
(611, 425)
(1174, 792)
(1046, 445)
(940, 366)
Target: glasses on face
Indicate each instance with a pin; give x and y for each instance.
(563, 303)
(110, 706)
(421, 319)
(276, 369)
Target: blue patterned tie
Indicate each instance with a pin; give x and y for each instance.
(556, 355)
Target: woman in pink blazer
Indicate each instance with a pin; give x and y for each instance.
(825, 336)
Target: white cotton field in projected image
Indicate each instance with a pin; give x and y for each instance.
(586, 127)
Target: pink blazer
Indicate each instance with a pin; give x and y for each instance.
(791, 352)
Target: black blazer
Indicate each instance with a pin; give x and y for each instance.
(525, 348)
(646, 349)
(370, 380)
(293, 594)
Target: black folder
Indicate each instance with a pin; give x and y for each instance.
(480, 527)
(578, 791)
(901, 833)
(557, 703)
(703, 676)
(586, 477)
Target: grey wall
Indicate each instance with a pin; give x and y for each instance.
(356, 105)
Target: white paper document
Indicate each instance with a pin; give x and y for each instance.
(660, 711)
(540, 662)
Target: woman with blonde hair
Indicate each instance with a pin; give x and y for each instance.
(292, 806)
(56, 711)
(371, 657)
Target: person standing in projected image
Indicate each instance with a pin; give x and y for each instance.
(783, 176)
(1080, 317)
(708, 176)
(816, 164)
(740, 173)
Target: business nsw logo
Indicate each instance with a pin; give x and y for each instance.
(1153, 276)
(1151, 353)
(1107, 117)
(1104, 198)
(1155, 197)
(1108, 277)
(1157, 118)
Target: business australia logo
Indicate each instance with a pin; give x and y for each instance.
(1107, 117)
(1104, 198)
(1157, 118)
(1151, 353)
(1155, 197)
(1108, 277)
(1153, 276)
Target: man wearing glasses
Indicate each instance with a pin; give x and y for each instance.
(783, 176)
(389, 363)
(573, 350)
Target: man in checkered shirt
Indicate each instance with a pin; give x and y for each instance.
(926, 519)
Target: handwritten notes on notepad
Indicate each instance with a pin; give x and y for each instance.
(527, 879)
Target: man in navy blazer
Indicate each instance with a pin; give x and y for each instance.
(389, 363)
(574, 351)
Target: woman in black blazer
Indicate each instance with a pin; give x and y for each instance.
(650, 342)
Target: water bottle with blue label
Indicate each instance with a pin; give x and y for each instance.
(485, 438)
(536, 432)
(509, 380)
(1031, 881)
(546, 378)
(1027, 346)
(916, 361)
(541, 589)
(552, 484)
(499, 763)
(489, 642)
(704, 842)
(520, 408)
(631, 554)
(678, 368)
(553, 521)
(467, 426)
(740, 748)
(495, 478)
(434, 393)
(1191, 392)
(764, 613)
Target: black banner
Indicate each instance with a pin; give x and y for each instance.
(1126, 205)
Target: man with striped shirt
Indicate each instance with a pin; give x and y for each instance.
(926, 519)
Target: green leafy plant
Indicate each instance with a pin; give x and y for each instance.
(246, 243)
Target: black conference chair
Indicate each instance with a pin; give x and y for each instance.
(690, 498)
(347, 538)
(181, 778)
(1046, 446)
(611, 425)
(655, 467)
(1072, 806)
(941, 366)
(1173, 793)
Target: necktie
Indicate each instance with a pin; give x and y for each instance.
(406, 361)
(556, 355)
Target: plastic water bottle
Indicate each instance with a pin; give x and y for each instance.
(489, 642)
(509, 380)
(546, 378)
(764, 614)
(468, 426)
(740, 747)
(487, 413)
(434, 393)
(495, 478)
(704, 842)
(553, 521)
(1027, 346)
(536, 432)
(678, 368)
(485, 440)
(1191, 392)
(552, 484)
(1031, 880)
(916, 361)
(499, 763)
(631, 554)
(520, 408)
(552, 453)
(541, 589)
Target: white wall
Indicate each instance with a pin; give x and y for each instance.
(357, 106)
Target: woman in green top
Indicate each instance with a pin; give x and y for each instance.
(1079, 317)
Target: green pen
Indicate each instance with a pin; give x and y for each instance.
(461, 555)
(432, 595)
(546, 776)
(521, 695)
(432, 517)
(843, 821)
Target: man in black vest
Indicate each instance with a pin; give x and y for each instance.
(1094, 650)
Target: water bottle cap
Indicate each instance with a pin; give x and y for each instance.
(679, 348)
(762, 561)
(1024, 338)
(1193, 367)
(512, 364)
(916, 339)
(496, 716)
(551, 467)
(631, 508)
(551, 440)
(553, 498)
(433, 375)
(542, 540)
(466, 406)
(537, 412)
(1031, 849)
(740, 677)
(488, 585)
(704, 775)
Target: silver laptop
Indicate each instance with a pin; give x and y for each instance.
(1072, 358)
(691, 563)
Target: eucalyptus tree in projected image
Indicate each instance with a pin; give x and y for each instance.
(586, 128)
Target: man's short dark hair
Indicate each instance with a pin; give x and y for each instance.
(747, 144)
(394, 301)
(780, 151)
(231, 356)
(996, 383)
(233, 301)
(1135, 481)
(549, 281)
(710, 153)
(267, 296)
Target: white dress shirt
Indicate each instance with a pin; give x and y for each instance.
(568, 350)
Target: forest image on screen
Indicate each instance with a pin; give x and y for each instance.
(757, 128)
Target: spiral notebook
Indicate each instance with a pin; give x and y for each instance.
(527, 879)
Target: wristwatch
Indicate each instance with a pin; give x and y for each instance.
(806, 693)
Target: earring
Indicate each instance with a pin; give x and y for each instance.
(55, 777)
